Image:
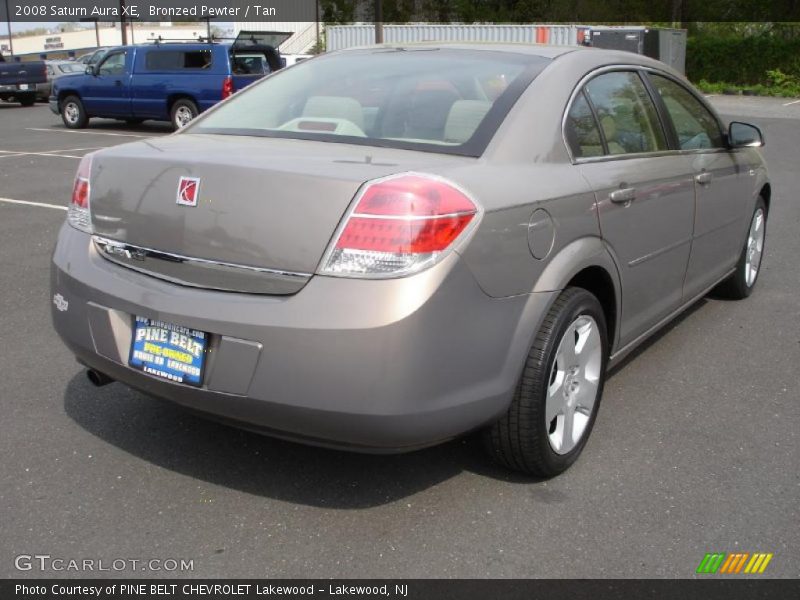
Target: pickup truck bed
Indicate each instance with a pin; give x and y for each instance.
(18, 80)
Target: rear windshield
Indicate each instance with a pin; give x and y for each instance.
(440, 100)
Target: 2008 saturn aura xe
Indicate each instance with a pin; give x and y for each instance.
(381, 249)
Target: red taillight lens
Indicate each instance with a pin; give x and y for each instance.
(400, 225)
(227, 87)
(402, 236)
(78, 214)
(80, 193)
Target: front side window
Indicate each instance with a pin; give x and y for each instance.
(113, 65)
(626, 113)
(442, 100)
(695, 126)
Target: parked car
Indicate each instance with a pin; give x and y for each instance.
(55, 69)
(18, 80)
(162, 81)
(92, 58)
(381, 249)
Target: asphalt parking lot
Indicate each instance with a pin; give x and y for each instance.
(696, 448)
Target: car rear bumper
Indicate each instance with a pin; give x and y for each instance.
(386, 365)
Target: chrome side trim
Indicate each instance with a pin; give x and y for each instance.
(200, 272)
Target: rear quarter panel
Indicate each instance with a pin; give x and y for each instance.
(526, 168)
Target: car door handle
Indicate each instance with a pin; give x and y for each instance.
(118, 82)
(623, 195)
(704, 178)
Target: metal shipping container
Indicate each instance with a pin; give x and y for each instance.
(666, 45)
(339, 37)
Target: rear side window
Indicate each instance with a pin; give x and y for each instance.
(177, 60)
(626, 113)
(581, 130)
(695, 126)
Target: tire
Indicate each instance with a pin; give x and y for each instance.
(28, 100)
(743, 281)
(73, 113)
(182, 112)
(523, 439)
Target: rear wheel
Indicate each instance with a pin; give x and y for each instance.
(27, 100)
(73, 113)
(558, 394)
(183, 111)
(741, 284)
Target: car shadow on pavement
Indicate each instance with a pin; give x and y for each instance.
(176, 439)
(654, 338)
(173, 438)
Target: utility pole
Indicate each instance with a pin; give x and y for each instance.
(378, 21)
(316, 9)
(122, 22)
(8, 24)
(96, 28)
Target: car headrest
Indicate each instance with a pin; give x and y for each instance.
(464, 118)
(335, 107)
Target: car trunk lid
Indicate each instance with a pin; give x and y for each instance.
(235, 213)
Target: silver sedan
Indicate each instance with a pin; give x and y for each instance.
(382, 249)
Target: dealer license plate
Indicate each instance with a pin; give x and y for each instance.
(168, 351)
(23, 86)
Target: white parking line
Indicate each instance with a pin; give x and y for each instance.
(793, 102)
(29, 203)
(89, 132)
(10, 153)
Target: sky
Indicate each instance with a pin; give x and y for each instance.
(26, 25)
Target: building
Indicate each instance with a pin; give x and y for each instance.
(71, 44)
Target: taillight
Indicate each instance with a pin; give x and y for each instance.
(399, 225)
(79, 215)
(227, 87)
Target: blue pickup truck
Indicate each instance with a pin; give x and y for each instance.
(18, 80)
(164, 81)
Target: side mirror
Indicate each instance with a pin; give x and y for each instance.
(744, 135)
(90, 70)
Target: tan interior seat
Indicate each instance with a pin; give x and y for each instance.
(335, 107)
(463, 120)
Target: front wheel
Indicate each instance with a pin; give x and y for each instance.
(183, 111)
(73, 113)
(741, 284)
(558, 395)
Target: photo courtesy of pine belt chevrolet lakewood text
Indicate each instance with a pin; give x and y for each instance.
(381, 249)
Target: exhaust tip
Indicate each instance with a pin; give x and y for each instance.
(97, 378)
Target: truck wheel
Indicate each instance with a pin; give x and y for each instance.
(73, 114)
(183, 111)
(741, 284)
(28, 100)
(558, 395)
